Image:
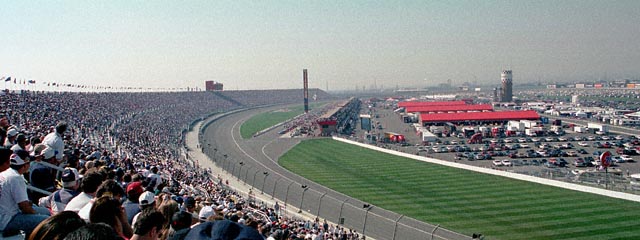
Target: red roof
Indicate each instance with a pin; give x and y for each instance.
(452, 108)
(480, 116)
(420, 104)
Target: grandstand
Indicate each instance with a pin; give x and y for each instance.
(127, 133)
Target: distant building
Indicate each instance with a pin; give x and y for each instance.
(213, 86)
(507, 86)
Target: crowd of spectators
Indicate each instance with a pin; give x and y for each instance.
(110, 166)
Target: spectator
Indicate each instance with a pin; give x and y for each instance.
(223, 229)
(21, 143)
(154, 179)
(180, 225)
(55, 140)
(108, 188)
(107, 209)
(5, 155)
(147, 202)
(42, 175)
(131, 205)
(90, 184)
(57, 201)
(12, 135)
(149, 226)
(16, 211)
(94, 231)
(57, 227)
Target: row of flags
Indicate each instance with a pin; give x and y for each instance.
(78, 86)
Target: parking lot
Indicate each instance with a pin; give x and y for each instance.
(571, 156)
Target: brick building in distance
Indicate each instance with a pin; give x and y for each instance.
(213, 86)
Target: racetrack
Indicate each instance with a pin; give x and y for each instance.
(222, 142)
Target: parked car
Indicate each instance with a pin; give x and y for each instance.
(627, 158)
(497, 163)
(506, 163)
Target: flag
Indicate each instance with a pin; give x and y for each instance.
(32, 81)
(8, 79)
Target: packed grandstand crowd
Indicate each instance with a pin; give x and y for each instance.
(111, 166)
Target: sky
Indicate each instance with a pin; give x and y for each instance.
(343, 44)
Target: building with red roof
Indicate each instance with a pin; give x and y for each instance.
(424, 104)
(468, 117)
(450, 108)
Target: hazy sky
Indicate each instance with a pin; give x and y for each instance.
(266, 44)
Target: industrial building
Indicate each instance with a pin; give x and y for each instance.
(213, 86)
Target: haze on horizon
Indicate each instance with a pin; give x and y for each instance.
(266, 44)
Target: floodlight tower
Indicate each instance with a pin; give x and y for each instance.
(305, 81)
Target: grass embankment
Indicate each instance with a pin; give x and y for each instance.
(460, 200)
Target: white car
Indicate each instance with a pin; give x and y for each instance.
(605, 138)
(562, 139)
(535, 139)
(497, 163)
(506, 163)
(524, 145)
(583, 144)
(626, 158)
(591, 138)
(508, 140)
(522, 140)
(549, 139)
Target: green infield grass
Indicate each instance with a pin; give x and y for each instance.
(265, 120)
(461, 200)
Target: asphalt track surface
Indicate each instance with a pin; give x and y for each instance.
(248, 160)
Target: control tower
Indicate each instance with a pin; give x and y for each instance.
(507, 86)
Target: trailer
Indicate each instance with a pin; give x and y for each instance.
(475, 138)
(601, 128)
(428, 137)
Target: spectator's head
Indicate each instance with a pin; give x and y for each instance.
(57, 226)
(110, 188)
(12, 134)
(181, 220)
(106, 210)
(20, 161)
(168, 208)
(223, 229)
(134, 189)
(147, 199)
(94, 231)
(21, 140)
(91, 182)
(190, 203)
(4, 121)
(154, 169)
(34, 141)
(149, 224)
(61, 127)
(205, 213)
(70, 178)
(5, 157)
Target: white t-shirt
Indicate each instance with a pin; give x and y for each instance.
(78, 202)
(155, 177)
(13, 190)
(55, 141)
(85, 211)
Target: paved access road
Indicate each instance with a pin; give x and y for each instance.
(254, 161)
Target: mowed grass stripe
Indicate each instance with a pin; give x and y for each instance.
(461, 200)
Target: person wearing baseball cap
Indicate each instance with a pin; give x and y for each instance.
(131, 205)
(147, 201)
(17, 212)
(57, 201)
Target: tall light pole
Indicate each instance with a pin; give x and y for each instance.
(263, 181)
(341, 207)
(253, 183)
(273, 193)
(286, 196)
(364, 225)
(304, 189)
(240, 170)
